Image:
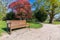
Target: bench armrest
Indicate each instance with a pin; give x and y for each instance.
(8, 23)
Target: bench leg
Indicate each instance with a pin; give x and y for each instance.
(7, 29)
(10, 31)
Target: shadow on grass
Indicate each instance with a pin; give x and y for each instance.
(5, 29)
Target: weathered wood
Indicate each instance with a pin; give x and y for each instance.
(13, 24)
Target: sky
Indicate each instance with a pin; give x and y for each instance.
(31, 1)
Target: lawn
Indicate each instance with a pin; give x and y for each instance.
(55, 22)
(2, 26)
(35, 25)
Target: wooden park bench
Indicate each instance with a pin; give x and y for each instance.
(14, 24)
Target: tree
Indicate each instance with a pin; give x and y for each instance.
(21, 7)
(52, 8)
(9, 16)
(36, 5)
(41, 15)
(3, 8)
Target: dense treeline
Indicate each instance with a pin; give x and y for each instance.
(42, 7)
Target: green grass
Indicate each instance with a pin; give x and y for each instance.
(55, 22)
(35, 25)
(2, 25)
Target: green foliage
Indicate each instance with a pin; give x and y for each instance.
(53, 8)
(41, 15)
(2, 10)
(9, 16)
(1, 16)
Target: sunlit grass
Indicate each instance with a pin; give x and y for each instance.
(2, 25)
(35, 25)
(54, 22)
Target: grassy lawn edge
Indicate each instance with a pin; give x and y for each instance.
(35, 25)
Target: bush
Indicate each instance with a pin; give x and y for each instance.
(41, 16)
(9, 16)
(2, 15)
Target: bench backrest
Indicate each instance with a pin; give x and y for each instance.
(17, 22)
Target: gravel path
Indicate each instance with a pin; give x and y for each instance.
(47, 32)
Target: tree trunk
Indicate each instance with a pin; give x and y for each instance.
(51, 19)
(51, 16)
